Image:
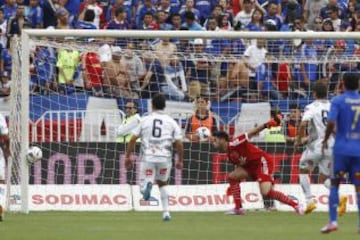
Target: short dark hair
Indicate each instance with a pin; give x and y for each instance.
(320, 89)
(148, 14)
(351, 81)
(136, 105)
(175, 15)
(119, 11)
(221, 135)
(158, 101)
(189, 15)
(89, 15)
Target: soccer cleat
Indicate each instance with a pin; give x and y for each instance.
(166, 217)
(235, 211)
(330, 227)
(299, 209)
(2, 213)
(311, 206)
(342, 205)
(147, 191)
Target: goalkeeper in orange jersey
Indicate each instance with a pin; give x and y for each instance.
(253, 163)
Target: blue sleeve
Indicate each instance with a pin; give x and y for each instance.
(334, 109)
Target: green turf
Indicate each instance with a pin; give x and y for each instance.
(184, 226)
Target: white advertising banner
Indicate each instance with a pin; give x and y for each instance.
(321, 194)
(80, 197)
(199, 198)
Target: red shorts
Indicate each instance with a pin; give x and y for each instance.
(263, 171)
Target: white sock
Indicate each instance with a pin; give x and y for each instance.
(164, 198)
(305, 184)
(327, 183)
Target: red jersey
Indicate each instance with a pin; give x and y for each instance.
(243, 153)
(93, 68)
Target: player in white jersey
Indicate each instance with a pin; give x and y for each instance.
(158, 133)
(314, 121)
(4, 151)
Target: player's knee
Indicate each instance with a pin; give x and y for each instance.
(265, 192)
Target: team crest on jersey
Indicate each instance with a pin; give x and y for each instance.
(242, 160)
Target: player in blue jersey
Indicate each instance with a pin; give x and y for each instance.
(344, 116)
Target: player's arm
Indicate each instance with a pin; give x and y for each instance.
(330, 129)
(125, 129)
(274, 122)
(331, 123)
(130, 148)
(179, 146)
(5, 145)
(301, 133)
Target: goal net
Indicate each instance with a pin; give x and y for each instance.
(73, 89)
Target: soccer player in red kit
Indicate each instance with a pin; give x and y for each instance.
(253, 163)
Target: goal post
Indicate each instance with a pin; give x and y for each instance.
(75, 125)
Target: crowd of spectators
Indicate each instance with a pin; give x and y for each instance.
(184, 69)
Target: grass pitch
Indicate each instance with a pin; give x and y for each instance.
(184, 226)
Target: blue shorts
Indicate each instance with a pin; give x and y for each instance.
(347, 164)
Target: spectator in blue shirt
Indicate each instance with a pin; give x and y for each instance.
(162, 18)
(5, 61)
(190, 22)
(189, 7)
(147, 7)
(272, 14)
(256, 24)
(204, 7)
(44, 64)
(265, 85)
(35, 15)
(119, 22)
(9, 9)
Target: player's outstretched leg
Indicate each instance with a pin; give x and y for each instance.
(234, 190)
(285, 199)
